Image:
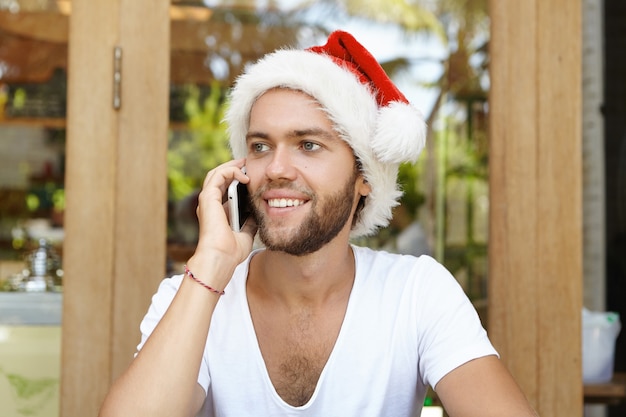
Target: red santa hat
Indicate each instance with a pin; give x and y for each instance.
(367, 110)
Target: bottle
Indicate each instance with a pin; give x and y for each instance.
(44, 269)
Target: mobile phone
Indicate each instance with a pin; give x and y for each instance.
(238, 204)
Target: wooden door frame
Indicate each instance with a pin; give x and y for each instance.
(535, 163)
(115, 222)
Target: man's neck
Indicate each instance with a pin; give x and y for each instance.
(299, 281)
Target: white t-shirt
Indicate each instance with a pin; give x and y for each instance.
(408, 323)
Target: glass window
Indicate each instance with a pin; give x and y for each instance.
(33, 62)
(436, 51)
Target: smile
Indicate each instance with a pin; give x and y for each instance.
(284, 202)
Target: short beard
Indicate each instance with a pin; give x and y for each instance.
(321, 226)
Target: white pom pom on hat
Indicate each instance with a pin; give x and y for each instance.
(366, 108)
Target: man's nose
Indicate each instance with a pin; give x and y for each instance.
(281, 165)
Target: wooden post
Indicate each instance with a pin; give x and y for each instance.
(535, 244)
(115, 223)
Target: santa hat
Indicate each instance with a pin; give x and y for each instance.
(367, 110)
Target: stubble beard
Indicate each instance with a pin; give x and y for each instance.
(325, 220)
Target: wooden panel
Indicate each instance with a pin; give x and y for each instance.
(114, 253)
(512, 187)
(141, 195)
(559, 204)
(88, 250)
(535, 258)
(47, 26)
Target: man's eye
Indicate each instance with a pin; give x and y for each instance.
(259, 147)
(310, 146)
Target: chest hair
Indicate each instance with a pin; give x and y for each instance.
(297, 374)
(295, 353)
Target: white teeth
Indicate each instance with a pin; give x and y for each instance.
(284, 202)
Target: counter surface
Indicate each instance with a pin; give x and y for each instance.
(30, 308)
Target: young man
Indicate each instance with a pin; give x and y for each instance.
(312, 325)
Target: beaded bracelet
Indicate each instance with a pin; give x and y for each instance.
(208, 287)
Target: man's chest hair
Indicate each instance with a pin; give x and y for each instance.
(297, 375)
(295, 354)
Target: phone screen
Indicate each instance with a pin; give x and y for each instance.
(243, 204)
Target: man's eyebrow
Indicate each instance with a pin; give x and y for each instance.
(297, 133)
(324, 134)
(256, 135)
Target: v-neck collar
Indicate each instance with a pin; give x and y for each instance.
(256, 349)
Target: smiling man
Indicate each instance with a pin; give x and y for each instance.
(311, 325)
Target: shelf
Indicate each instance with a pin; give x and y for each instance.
(34, 121)
(610, 393)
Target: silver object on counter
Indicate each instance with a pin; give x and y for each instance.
(43, 271)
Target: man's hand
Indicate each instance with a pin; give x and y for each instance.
(217, 242)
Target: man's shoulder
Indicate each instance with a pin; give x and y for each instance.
(387, 266)
(376, 256)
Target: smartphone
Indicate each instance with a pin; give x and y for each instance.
(238, 204)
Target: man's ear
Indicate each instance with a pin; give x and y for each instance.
(363, 187)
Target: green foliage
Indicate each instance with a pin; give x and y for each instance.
(466, 158)
(408, 178)
(19, 98)
(202, 146)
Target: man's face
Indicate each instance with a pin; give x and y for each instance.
(304, 183)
